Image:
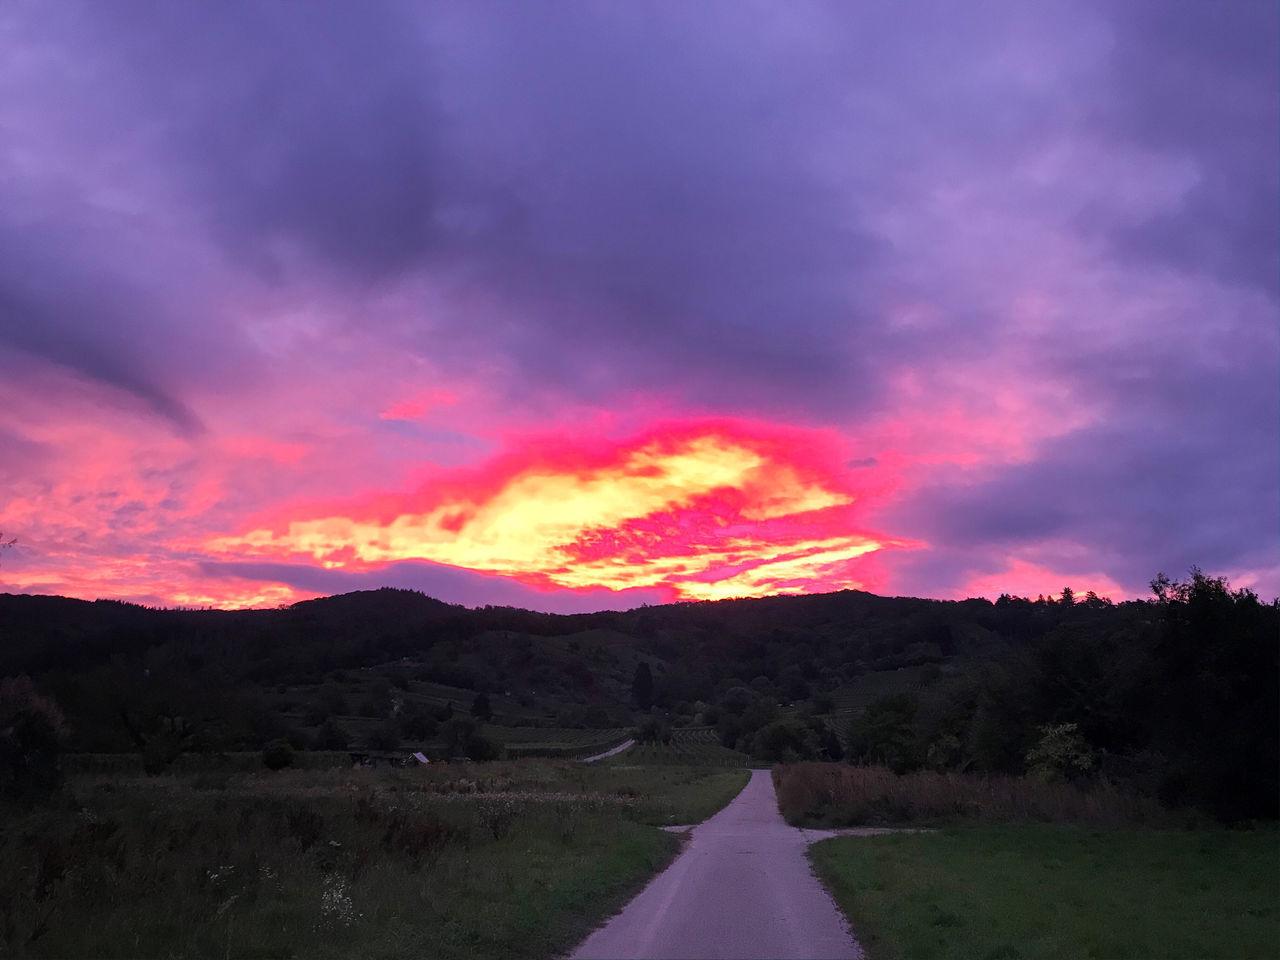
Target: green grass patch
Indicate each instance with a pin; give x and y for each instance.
(516, 859)
(1042, 892)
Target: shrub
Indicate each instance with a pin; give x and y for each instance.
(786, 739)
(462, 738)
(1061, 754)
(653, 730)
(841, 795)
(330, 736)
(32, 732)
(277, 755)
(384, 736)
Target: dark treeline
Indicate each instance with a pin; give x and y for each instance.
(1177, 696)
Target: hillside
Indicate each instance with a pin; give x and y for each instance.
(1176, 696)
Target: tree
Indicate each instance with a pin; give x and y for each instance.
(885, 733)
(1210, 698)
(653, 730)
(384, 736)
(480, 707)
(330, 736)
(1061, 753)
(161, 738)
(32, 731)
(417, 722)
(642, 686)
(786, 740)
(462, 738)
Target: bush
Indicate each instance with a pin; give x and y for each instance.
(384, 736)
(1061, 754)
(462, 738)
(417, 722)
(277, 755)
(841, 795)
(32, 732)
(330, 736)
(787, 739)
(653, 730)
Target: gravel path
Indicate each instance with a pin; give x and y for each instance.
(741, 888)
(625, 745)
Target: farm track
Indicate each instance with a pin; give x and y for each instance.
(742, 888)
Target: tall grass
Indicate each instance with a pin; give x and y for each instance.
(838, 795)
(505, 859)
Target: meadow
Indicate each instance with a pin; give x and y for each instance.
(1055, 892)
(515, 859)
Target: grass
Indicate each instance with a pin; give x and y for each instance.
(839, 795)
(1043, 892)
(516, 859)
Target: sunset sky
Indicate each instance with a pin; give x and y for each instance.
(586, 305)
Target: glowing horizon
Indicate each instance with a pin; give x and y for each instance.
(583, 308)
(695, 511)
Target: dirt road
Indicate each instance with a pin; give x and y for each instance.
(741, 888)
(625, 745)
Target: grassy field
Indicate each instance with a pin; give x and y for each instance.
(1042, 892)
(516, 859)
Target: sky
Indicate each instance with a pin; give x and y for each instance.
(578, 306)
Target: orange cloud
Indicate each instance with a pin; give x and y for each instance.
(419, 405)
(1024, 579)
(704, 510)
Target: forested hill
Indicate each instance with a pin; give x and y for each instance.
(1178, 695)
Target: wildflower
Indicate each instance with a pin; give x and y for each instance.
(336, 905)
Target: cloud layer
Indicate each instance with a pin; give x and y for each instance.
(694, 300)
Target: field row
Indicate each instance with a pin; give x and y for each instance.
(694, 754)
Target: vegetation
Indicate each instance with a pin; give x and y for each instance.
(1058, 893)
(835, 795)
(31, 735)
(690, 746)
(1173, 698)
(500, 859)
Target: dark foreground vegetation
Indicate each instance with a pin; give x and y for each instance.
(1053, 892)
(452, 861)
(164, 791)
(831, 795)
(1174, 698)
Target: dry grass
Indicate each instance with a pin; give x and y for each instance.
(831, 794)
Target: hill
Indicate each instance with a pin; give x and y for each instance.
(1176, 696)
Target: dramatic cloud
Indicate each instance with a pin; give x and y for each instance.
(697, 511)
(589, 304)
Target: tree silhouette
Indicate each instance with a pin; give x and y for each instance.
(642, 686)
